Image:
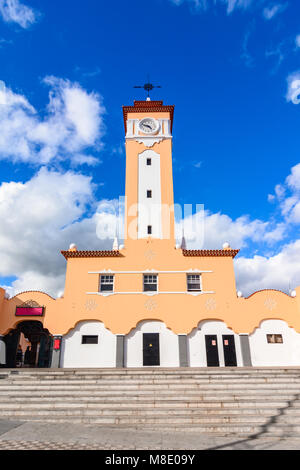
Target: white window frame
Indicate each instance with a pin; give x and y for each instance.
(106, 283)
(156, 283)
(188, 283)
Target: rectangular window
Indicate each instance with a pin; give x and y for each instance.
(193, 283)
(150, 282)
(149, 162)
(107, 283)
(149, 229)
(272, 339)
(149, 193)
(89, 340)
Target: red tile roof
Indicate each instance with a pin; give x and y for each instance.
(231, 253)
(91, 254)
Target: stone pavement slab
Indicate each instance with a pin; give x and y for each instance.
(6, 425)
(66, 436)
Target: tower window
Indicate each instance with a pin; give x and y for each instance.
(106, 283)
(149, 193)
(150, 282)
(193, 283)
(149, 229)
(149, 161)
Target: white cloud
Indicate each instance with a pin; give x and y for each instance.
(288, 196)
(39, 218)
(276, 272)
(13, 11)
(5, 42)
(270, 11)
(35, 281)
(293, 91)
(73, 123)
(297, 40)
(293, 180)
(233, 4)
(203, 5)
(209, 231)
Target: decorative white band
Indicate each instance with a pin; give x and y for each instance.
(106, 294)
(147, 271)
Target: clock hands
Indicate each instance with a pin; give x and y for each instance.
(148, 125)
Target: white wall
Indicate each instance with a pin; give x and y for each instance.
(149, 178)
(196, 343)
(75, 354)
(267, 354)
(168, 345)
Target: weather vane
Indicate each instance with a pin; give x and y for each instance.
(148, 87)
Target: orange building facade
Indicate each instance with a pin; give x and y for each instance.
(150, 302)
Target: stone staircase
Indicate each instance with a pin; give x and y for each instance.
(222, 401)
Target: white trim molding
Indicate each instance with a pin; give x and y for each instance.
(147, 271)
(106, 294)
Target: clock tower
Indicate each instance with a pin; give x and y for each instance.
(149, 211)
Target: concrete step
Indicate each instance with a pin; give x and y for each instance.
(92, 415)
(117, 410)
(159, 373)
(155, 390)
(225, 401)
(144, 402)
(152, 380)
(220, 429)
(231, 384)
(144, 377)
(142, 395)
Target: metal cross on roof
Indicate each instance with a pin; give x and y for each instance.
(148, 87)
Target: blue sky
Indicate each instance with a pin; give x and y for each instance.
(232, 70)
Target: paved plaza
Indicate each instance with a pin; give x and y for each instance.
(18, 435)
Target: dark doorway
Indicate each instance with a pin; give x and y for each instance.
(151, 349)
(38, 352)
(212, 353)
(229, 350)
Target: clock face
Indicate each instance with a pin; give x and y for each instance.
(148, 125)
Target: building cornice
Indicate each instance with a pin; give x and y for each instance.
(92, 254)
(207, 253)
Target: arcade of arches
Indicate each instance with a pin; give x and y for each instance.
(29, 344)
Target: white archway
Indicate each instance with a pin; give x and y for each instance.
(168, 344)
(101, 354)
(264, 353)
(197, 345)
